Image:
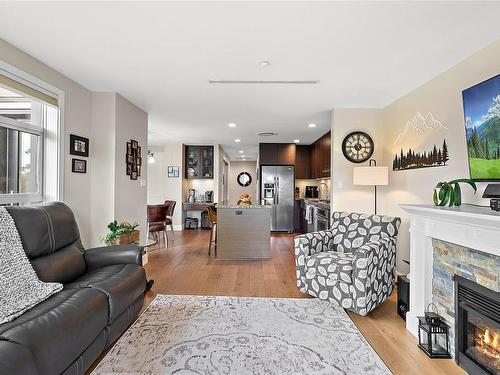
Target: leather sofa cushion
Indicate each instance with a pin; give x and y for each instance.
(51, 240)
(122, 284)
(60, 328)
(45, 229)
(62, 266)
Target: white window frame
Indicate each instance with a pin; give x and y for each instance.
(50, 148)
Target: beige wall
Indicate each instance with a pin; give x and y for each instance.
(346, 196)
(102, 203)
(221, 158)
(77, 119)
(130, 195)
(114, 196)
(235, 190)
(160, 186)
(442, 97)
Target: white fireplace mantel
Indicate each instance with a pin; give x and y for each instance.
(471, 226)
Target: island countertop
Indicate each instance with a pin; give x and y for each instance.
(242, 206)
(243, 232)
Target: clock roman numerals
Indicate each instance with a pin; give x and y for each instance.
(357, 147)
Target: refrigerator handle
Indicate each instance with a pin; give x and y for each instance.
(274, 190)
(277, 190)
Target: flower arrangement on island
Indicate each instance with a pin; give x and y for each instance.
(244, 200)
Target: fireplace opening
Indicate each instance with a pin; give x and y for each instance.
(477, 327)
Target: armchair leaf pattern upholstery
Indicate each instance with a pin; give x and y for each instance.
(352, 263)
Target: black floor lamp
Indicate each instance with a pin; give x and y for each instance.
(371, 176)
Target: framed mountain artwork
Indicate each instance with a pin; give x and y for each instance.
(482, 128)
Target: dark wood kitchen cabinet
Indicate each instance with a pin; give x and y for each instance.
(277, 153)
(320, 157)
(303, 161)
(325, 145)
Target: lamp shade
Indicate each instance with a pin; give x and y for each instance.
(372, 176)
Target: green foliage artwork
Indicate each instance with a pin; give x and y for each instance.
(482, 126)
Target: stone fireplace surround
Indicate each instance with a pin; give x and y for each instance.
(468, 226)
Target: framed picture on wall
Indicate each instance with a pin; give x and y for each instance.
(78, 166)
(78, 145)
(172, 171)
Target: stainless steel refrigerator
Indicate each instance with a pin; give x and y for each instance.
(277, 188)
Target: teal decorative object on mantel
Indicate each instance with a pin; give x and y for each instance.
(449, 193)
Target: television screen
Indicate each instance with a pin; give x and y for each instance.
(482, 129)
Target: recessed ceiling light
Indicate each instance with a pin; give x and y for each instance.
(312, 125)
(237, 140)
(296, 140)
(264, 64)
(243, 156)
(232, 125)
(244, 159)
(241, 151)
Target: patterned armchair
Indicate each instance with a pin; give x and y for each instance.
(351, 264)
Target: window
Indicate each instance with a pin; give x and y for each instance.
(29, 130)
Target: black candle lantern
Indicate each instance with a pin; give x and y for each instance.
(433, 335)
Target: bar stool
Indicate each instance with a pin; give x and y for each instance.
(212, 217)
(170, 214)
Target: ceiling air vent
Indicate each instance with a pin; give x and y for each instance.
(262, 82)
(267, 134)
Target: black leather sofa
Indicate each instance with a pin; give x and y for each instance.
(103, 293)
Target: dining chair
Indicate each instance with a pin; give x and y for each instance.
(170, 215)
(157, 214)
(212, 217)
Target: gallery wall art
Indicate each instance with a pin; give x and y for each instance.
(435, 157)
(78, 145)
(133, 159)
(421, 144)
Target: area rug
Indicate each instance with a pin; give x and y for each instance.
(241, 335)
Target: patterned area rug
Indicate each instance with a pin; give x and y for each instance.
(241, 335)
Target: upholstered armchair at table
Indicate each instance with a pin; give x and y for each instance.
(352, 264)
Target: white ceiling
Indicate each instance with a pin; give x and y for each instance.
(161, 56)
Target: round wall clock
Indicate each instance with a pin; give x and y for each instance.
(357, 147)
(244, 179)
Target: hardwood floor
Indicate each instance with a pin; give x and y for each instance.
(185, 268)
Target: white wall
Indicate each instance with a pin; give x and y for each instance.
(77, 119)
(220, 158)
(235, 190)
(114, 196)
(102, 202)
(160, 186)
(130, 195)
(346, 196)
(442, 97)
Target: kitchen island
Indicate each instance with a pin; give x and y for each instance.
(243, 232)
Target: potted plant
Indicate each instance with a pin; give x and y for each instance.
(122, 233)
(449, 193)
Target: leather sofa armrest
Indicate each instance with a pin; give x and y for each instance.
(111, 255)
(16, 359)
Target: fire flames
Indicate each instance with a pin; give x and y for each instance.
(488, 343)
